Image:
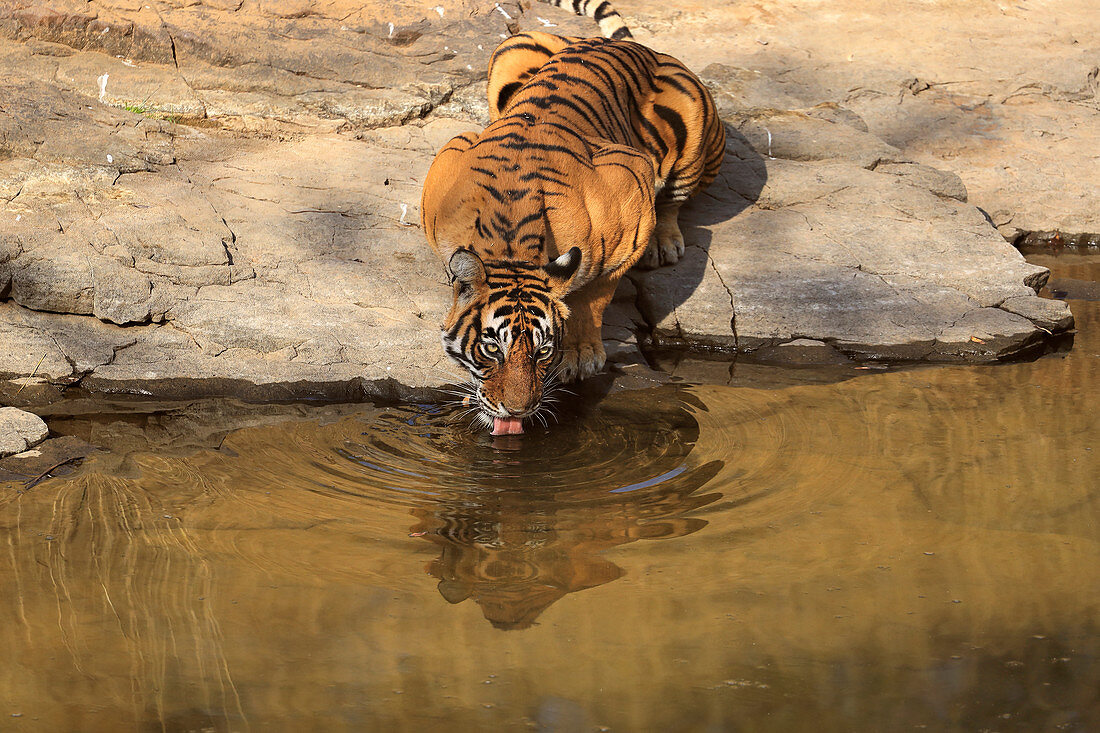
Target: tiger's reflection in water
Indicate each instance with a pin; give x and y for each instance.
(514, 553)
(520, 522)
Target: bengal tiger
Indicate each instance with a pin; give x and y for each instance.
(592, 147)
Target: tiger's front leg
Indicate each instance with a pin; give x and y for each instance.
(666, 244)
(582, 346)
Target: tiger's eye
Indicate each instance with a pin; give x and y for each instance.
(545, 351)
(490, 348)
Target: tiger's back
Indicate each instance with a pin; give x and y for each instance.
(615, 90)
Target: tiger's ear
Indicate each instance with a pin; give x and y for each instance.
(466, 268)
(467, 273)
(560, 272)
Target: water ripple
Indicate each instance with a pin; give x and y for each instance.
(412, 455)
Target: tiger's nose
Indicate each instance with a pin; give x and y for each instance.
(520, 405)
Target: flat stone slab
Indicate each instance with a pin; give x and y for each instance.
(861, 254)
(271, 247)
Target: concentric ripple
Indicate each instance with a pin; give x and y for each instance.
(660, 447)
(617, 449)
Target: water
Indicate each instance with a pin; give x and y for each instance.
(783, 550)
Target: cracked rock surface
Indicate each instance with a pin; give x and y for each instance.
(221, 197)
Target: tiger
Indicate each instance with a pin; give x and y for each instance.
(593, 145)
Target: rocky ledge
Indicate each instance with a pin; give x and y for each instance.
(221, 197)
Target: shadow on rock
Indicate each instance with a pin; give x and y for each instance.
(737, 187)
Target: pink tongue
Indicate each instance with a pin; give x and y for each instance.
(507, 426)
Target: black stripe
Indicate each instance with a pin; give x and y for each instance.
(497, 138)
(671, 81)
(625, 150)
(506, 93)
(540, 176)
(544, 81)
(676, 122)
(564, 128)
(642, 56)
(527, 145)
(533, 217)
(662, 153)
(614, 62)
(622, 92)
(601, 95)
(525, 46)
(481, 229)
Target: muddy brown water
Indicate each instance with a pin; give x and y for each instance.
(785, 551)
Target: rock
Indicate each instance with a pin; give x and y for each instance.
(688, 305)
(942, 183)
(833, 112)
(381, 65)
(121, 294)
(55, 277)
(52, 124)
(27, 350)
(164, 219)
(1004, 97)
(892, 282)
(621, 324)
(736, 90)
(798, 136)
(20, 430)
(85, 343)
(1051, 315)
(986, 332)
(802, 352)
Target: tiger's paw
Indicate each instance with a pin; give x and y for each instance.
(666, 247)
(582, 362)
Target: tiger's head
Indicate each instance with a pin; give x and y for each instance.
(505, 327)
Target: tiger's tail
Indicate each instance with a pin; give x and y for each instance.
(602, 11)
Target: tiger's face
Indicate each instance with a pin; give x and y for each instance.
(505, 327)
